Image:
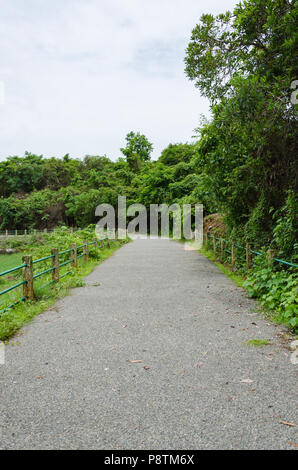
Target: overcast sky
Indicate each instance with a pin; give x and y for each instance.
(79, 75)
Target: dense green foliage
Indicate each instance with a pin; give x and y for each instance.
(70, 189)
(245, 62)
(277, 291)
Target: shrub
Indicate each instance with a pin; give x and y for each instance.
(277, 291)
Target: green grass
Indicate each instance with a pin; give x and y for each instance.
(257, 342)
(10, 261)
(13, 319)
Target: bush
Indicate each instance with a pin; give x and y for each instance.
(277, 291)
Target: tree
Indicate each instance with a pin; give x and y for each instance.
(176, 153)
(20, 174)
(259, 37)
(244, 62)
(137, 151)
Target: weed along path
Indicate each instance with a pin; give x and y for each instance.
(151, 354)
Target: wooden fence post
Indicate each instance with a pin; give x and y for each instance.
(95, 242)
(102, 243)
(74, 255)
(16, 232)
(86, 251)
(270, 254)
(6, 233)
(222, 248)
(248, 256)
(28, 291)
(233, 255)
(55, 264)
(108, 242)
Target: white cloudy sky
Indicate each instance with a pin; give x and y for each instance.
(80, 74)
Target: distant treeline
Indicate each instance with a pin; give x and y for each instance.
(38, 192)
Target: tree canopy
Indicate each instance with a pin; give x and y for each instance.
(245, 61)
(138, 150)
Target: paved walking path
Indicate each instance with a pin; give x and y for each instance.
(71, 381)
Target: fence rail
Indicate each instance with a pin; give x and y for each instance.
(24, 232)
(248, 252)
(27, 268)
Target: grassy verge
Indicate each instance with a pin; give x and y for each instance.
(13, 319)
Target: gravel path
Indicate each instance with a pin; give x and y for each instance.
(70, 381)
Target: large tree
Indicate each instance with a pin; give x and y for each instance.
(258, 37)
(245, 62)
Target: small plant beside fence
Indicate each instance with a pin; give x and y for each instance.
(55, 264)
(236, 254)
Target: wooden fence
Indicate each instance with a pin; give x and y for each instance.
(24, 232)
(220, 246)
(75, 253)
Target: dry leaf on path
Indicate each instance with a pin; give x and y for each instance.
(292, 443)
(197, 366)
(136, 361)
(246, 381)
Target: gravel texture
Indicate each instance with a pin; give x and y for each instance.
(69, 381)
